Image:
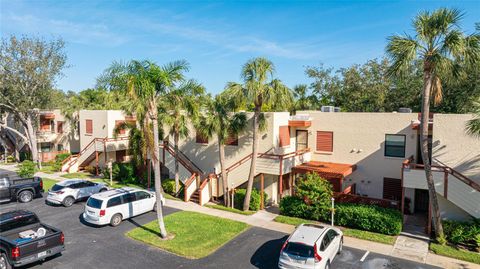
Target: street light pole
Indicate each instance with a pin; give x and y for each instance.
(333, 209)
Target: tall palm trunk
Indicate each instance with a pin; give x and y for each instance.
(156, 167)
(221, 152)
(253, 165)
(32, 139)
(177, 176)
(427, 85)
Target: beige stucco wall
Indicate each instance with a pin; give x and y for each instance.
(364, 132)
(453, 147)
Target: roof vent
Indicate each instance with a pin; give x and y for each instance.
(404, 110)
(328, 109)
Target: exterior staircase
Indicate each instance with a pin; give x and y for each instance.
(195, 197)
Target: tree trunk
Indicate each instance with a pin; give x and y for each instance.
(156, 167)
(221, 152)
(427, 80)
(32, 140)
(177, 175)
(251, 175)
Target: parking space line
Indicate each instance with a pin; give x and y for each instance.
(364, 256)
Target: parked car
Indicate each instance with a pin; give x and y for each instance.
(24, 239)
(20, 189)
(311, 246)
(69, 191)
(113, 206)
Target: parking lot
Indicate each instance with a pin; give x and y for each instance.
(107, 247)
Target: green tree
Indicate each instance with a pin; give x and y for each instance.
(145, 82)
(220, 121)
(473, 125)
(437, 43)
(259, 88)
(303, 101)
(178, 108)
(29, 68)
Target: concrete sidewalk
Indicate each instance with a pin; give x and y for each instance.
(264, 219)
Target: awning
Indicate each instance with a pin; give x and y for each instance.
(47, 115)
(327, 169)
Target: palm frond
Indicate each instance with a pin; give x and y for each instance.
(402, 51)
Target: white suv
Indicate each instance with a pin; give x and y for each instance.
(111, 207)
(68, 191)
(311, 246)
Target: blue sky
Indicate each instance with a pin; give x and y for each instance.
(217, 37)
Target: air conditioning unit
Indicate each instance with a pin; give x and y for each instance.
(328, 109)
(404, 110)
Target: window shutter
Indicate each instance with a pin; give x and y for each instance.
(284, 136)
(324, 141)
(89, 126)
(232, 140)
(392, 189)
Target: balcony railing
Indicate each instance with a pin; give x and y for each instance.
(300, 120)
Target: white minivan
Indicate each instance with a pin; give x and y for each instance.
(113, 206)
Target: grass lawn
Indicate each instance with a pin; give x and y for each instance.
(48, 183)
(80, 175)
(229, 209)
(365, 235)
(47, 169)
(196, 235)
(453, 252)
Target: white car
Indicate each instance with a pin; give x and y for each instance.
(67, 192)
(311, 246)
(113, 206)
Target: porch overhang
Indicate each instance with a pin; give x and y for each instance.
(335, 173)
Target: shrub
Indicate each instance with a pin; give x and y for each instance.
(369, 218)
(10, 159)
(61, 157)
(254, 199)
(122, 172)
(168, 186)
(462, 233)
(294, 207)
(91, 169)
(27, 169)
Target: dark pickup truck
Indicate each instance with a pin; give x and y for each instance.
(24, 239)
(20, 189)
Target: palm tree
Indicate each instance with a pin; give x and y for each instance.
(145, 82)
(179, 107)
(437, 44)
(473, 125)
(303, 101)
(259, 88)
(219, 120)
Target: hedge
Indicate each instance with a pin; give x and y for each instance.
(364, 217)
(168, 186)
(27, 169)
(254, 199)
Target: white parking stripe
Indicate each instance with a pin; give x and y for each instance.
(364, 256)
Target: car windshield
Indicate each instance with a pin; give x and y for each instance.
(95, 203)
(57, 187)
(299, 249)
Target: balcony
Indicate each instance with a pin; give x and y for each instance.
(300, 120)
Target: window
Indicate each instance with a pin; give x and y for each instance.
(299, 249)
(232, 140)
(325, 242)
(395, 145)
(284, 136)
(121, 131)
(114, 201)
(325, 141)
(89, 126)
(57, 187)
(129, 198)
(60, 147)
(200, 139)
(95, 203)
(60, 127)
(140, 195)
(4, 183)
(302, 139)
(90, 184)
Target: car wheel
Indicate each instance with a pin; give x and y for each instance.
(68, 201)
(3, 262)
(340, 247)
(102, 190)
(25, 196)
(116, 220)
(327, 266)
